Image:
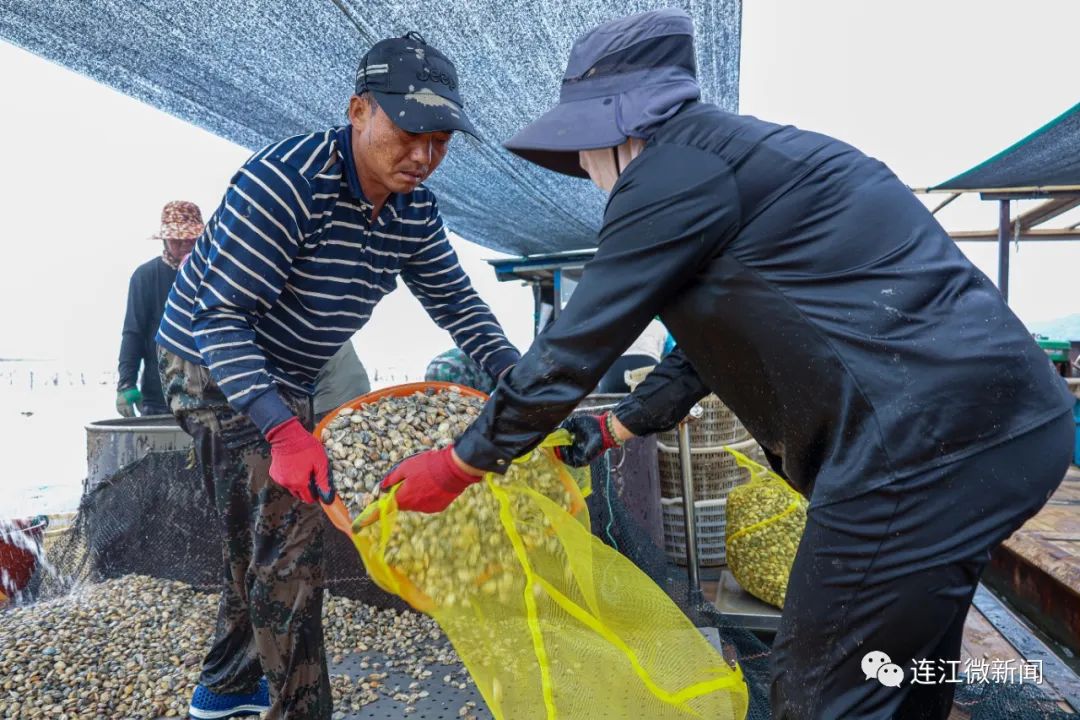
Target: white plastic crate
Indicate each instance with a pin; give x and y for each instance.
(711, 530)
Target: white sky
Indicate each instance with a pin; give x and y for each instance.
(929, 87)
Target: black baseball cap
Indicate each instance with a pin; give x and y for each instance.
(415, 84)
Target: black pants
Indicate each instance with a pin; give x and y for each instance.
(895, 570)
(149, 408)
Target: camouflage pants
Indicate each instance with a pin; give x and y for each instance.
(270, 613)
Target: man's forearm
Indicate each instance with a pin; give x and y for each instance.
(239, 367)
(129, 361)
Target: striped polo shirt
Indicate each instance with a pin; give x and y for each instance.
(290, 265)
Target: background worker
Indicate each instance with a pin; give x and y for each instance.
(822, 302)
(342, 379)
(454, 366)
(181, 224)
(312, 232)
(646, 351)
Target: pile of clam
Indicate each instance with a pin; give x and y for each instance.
(131, 648)
(364, 444)
(464, 552)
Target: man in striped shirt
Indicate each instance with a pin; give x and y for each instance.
(313, 231)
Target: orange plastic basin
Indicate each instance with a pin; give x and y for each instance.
(396, 391)
(337, 511)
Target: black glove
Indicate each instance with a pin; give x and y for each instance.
(592, 438)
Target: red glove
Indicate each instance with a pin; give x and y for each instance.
(298, 462)
(431, 480)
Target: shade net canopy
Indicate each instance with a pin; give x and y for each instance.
(1047, 158)
(257, 71)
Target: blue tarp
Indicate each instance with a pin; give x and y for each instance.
(1047, 158)
(256, 71)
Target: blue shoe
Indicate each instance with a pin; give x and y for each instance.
(206, 705)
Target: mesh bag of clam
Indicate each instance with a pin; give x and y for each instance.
(532, 601)
(765, 522)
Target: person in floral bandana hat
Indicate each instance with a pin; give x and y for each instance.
(181, 225)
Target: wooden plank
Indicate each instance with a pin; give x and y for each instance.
(984, 641)
(1032, 235)
(944, 203)
(1038, 568)
(1047, 211)
(1019, 190)
(981, 641)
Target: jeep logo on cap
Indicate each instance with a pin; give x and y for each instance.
(428, 74)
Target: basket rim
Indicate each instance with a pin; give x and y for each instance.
(735, 445)
(715, 502)
(404, 390)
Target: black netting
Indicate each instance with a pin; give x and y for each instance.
(613, 522)
(152, 518)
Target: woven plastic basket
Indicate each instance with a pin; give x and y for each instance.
(711, 530)
(715, 470)
(717, 426)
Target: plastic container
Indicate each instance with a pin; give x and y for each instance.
(715, 470)
(717, 426)
(337, 511)
(115, 443)
(711, 528)
(396, 391)
(20, 547)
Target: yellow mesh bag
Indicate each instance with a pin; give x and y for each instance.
(550, 622)
(765, 522)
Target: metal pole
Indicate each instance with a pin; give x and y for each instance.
(1004, 230)
(689, 516)
(556, 301)
(537, 306)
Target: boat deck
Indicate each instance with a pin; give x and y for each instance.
(1037, 571)
(992, 633)
(1038, 568)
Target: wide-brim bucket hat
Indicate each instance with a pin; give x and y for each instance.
(622, 79)
(180, 220)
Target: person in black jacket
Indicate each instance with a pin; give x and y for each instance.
(822, 302)
(181, 225)
(818, 298)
